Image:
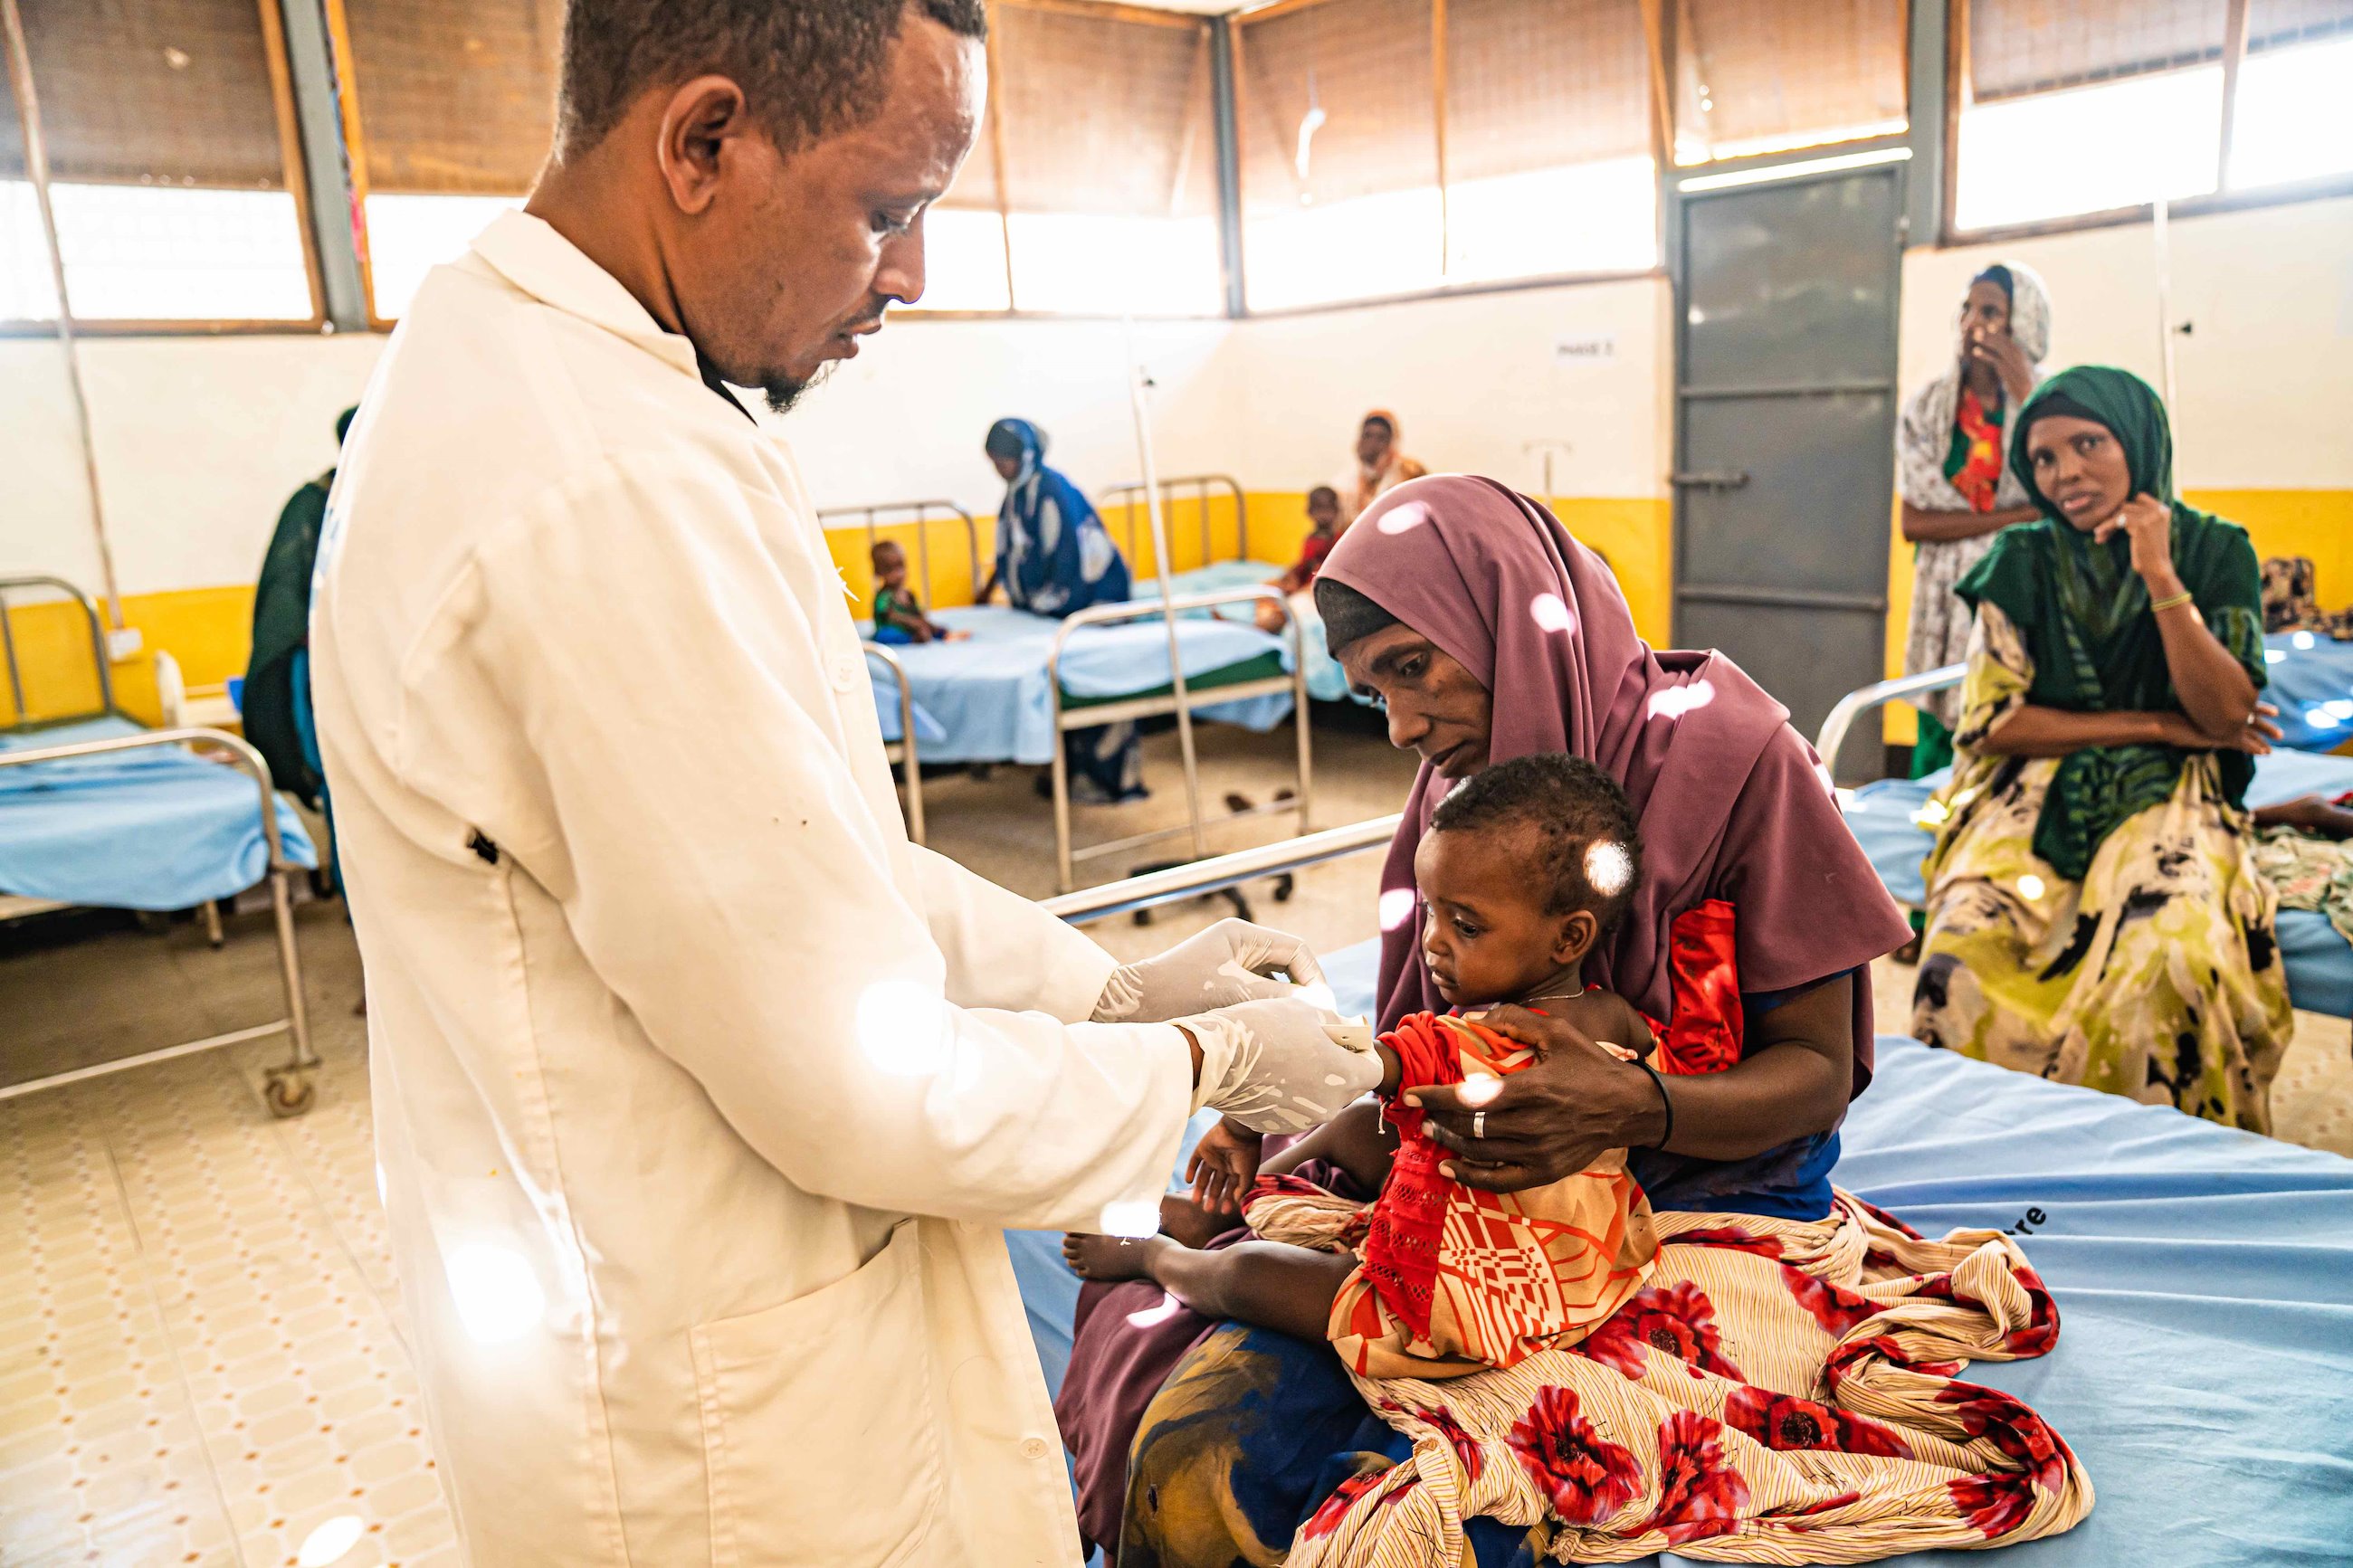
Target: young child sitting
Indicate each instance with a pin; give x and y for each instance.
(1323, 511)
(898, 614)
(1523, 869)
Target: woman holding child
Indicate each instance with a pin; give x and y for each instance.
(1742, 924)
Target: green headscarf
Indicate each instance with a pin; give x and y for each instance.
(2084, 614)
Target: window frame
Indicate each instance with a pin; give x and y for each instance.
(2222, 199)
(1662, 127)
(298, 186)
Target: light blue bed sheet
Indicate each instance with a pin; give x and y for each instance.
(152, 830)
(928, 732)
(990, 697)
(2312, 687)
(2319, 962)
(2204, 1278)
(1326, 682)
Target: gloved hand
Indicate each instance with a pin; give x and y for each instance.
(1227, 964)
(1270, 1066)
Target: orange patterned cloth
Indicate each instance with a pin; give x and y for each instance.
(1451, 1280)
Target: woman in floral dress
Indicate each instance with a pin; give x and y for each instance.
(2094, 914)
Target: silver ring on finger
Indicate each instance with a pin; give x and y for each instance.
(1478, 1124)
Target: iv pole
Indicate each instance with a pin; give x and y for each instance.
(1139, 383)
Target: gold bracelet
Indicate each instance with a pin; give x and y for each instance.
(2183, 597)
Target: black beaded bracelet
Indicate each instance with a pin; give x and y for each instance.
(1666, 1100)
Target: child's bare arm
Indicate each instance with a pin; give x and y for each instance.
(1357, 1141)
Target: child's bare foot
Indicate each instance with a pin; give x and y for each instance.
(1111, 1257)
(1189, 1225)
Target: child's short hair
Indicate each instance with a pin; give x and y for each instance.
(880, 547)
(1590, 853)
(1324, 493)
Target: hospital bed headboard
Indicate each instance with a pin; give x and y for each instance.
(1200, 489)
(919, 515)
(50, 588)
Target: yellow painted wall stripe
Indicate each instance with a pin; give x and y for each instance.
(207, 630)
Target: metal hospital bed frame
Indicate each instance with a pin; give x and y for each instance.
(1862, 699)
(1178, 700)
(287, 1090)
(903, 751)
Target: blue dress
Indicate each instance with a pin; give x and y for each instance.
(1056, 558)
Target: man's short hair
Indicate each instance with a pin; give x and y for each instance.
(1324, 493)
(808, 68)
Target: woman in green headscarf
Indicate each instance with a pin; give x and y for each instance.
(2094, 915)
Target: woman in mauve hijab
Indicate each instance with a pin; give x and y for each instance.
(1489, 633)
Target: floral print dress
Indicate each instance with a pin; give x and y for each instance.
(2157, 976)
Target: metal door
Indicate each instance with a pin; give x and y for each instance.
(1785, 429)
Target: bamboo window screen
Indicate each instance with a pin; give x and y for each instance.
(1544, 84)
(1366, 64)
(1755, 76)
(455, 97)
(1104, 113)
(2021, 48)
(2284, 24)
(154, 92)
(12, 134)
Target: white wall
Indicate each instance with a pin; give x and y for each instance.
(2265, 376)
(199, 441)
(906, 419)
(1474, 381)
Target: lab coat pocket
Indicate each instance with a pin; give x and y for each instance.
(820, 1421)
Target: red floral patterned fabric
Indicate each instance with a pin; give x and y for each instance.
(1781, 1391)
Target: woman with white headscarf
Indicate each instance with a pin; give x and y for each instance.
(1951, 467)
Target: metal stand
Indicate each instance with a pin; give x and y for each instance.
(903, 751)
(1180, 701)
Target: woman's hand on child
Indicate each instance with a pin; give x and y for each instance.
(1548, 1121)
(1223, 1166)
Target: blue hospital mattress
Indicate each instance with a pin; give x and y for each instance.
(155, 829)
(2204, 1278)
(990, 697)
(2319, 961)
(2312, 687)
(928, 731)
(1326, 682)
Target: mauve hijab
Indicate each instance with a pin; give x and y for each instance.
(1731, 802)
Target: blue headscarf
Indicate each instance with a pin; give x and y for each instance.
(1052, 551)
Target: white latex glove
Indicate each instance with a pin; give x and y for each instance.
(1272, 1066)
(1227, 964)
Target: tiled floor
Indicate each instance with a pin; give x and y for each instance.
(202, 1352)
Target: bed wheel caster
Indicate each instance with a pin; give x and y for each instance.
(288, 1094)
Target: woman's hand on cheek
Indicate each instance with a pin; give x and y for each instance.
(2148, 523)
(1546, 1122)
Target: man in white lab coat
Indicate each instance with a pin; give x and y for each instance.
(702, 1094)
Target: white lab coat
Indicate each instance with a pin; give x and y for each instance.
(662, 1063)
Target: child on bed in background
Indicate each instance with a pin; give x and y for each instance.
(1323, 513)
(1524, 869)
(899, 616)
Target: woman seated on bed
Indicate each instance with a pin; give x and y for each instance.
(2094, 914)
(1489, 633)
(1054, 557)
